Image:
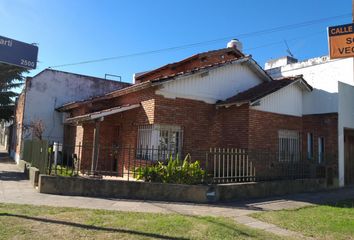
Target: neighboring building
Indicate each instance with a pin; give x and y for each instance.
(333, 95)
(46, 91)
(5, 130)
(219, 98)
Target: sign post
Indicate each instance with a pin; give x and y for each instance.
(18, 53)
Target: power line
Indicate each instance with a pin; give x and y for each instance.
(243, 35)
(288, 40)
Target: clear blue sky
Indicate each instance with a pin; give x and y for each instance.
(77, 30)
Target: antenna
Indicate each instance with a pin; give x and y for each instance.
(288, 49)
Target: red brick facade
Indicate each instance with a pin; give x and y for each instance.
(16, 145)
(326, 126)
(264, 128)
(204, 126)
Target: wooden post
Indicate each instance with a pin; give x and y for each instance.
(96, 138)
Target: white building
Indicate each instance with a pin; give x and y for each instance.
(333, 84)
(45, 92)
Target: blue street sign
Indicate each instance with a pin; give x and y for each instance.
(18, 53)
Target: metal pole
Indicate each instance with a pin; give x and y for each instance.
(353, 11)
(96, 134)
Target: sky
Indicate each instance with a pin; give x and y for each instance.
(71, 31)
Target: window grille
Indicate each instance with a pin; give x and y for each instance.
(289, 146)
(158, 142)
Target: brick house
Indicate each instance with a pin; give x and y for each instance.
(220, 98)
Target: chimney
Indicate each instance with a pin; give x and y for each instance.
(235, 43)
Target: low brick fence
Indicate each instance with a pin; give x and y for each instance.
(243, 191)
(77, 186)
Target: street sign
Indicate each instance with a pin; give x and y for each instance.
(341, 41)
(18, 53)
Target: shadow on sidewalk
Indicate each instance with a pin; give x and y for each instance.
(12, 176)
(8, 169)
(4, 158)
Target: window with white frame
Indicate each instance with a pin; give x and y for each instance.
(158, 142)
(289, 145)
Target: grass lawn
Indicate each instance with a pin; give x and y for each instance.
(322, 222)
(39, 222)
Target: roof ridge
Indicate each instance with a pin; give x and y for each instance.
(190, 58)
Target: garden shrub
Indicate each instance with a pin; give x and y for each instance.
(172, 171)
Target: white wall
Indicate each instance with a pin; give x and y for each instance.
(287, 100)
(345, 120)
(220, 84)
(51, 89)
(323, 75)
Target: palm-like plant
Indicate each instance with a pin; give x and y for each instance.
(10, 78)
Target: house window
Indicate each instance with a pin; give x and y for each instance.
(158, 142)
(309, 146)
(289, 145)
(321, 145)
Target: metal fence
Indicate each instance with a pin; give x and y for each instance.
(222, 165)
(36, 153)
(115, 162)
(241, 165)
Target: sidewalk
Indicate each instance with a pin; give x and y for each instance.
(14, 188)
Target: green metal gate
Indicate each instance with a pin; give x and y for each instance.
(35, 152)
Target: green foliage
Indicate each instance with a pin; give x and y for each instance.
(320, 221)
(10, 78)
(63, 171)
(174, 171)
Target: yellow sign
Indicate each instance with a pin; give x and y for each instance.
(341, 41)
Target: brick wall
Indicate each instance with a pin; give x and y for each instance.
(195, 118)
(19, 112)
(231, 127)
(326, 126)
(264, 127)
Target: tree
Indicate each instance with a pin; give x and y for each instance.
(10, 78)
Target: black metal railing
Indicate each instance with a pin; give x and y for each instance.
(226, 165)
(221, 165)
(110, 161)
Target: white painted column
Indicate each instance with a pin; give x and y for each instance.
(341, 155)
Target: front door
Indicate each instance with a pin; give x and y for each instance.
(349, 157)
